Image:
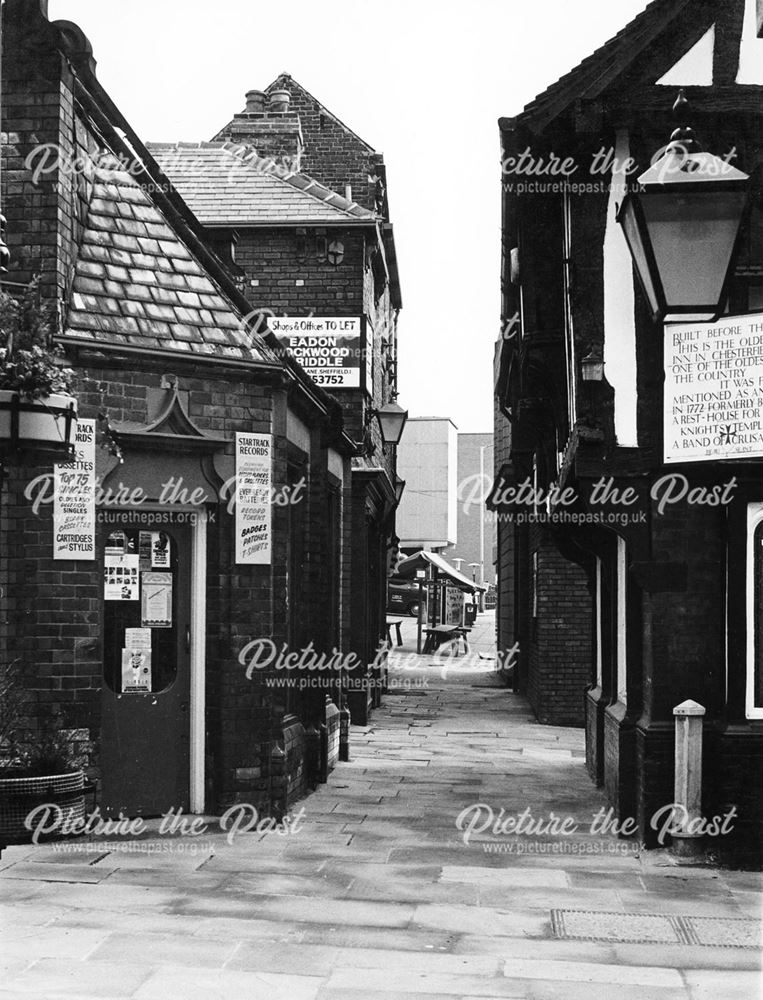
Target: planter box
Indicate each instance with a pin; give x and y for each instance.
(18, 796)
(48, 424)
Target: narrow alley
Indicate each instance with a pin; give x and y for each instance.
(401, 878)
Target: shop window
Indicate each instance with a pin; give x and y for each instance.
(140, 611)
(754, 695)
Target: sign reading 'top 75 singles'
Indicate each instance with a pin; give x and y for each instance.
(329, 349)
(714, 389)
(253, 487)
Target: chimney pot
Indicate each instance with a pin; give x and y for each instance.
(255, 100)
(278, 100)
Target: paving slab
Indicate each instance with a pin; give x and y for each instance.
(379, 898)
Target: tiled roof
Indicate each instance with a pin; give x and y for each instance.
(225, 184)
(593, 74)
(137, 284)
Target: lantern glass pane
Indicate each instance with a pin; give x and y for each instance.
(392, 426)
(636, 244)
(693, 236)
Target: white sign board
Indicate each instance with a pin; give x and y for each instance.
(454, 606)
(74, 498)
(253, 490)
(714, 390)
(328, 348)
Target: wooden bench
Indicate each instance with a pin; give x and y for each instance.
(394, 623)
(441, 634)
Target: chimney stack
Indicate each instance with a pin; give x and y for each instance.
(268, 124)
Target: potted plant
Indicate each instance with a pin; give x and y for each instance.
(37, 409)
(38, 765)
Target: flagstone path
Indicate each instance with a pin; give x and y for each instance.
(376, 896)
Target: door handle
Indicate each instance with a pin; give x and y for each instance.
(188, 638)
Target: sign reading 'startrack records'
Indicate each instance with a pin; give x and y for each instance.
(714, 389)
(329, 349)
(253, 487)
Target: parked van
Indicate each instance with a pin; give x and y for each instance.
(403, 596)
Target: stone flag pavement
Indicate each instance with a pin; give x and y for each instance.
(402, 877)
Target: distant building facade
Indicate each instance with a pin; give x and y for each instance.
(427, 461)
(473, 551)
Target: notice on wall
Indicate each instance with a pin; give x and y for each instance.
(120, 577)
(74, 498)
(253, 491)
(454, 606)
(714, 389)
(329, 349)
(156, 600)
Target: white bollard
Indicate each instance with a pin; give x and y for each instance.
(687, 794)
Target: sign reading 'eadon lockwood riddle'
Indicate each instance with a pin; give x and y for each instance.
(329, 349)
(714, 389)
(253, 490)
(74, 499)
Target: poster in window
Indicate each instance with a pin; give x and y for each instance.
(120, 578)
(144, 550)
(136, 670)
(160, 550)
(156, 600)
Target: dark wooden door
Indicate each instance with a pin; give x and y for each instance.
(145, 752)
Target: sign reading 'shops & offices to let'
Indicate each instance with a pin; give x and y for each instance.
(330, 349)
(253, 490)
(714, 389)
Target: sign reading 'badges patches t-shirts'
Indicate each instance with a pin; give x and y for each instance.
(253, 494)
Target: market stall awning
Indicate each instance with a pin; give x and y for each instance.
(420, 560)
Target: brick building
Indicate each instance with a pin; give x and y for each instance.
(169, 368)
(624, 612)
(297, 205)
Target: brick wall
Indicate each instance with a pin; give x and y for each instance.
(560, 646)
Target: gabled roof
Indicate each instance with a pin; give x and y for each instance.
(137, 284)
(603, 66)
(226, 184)
(284, 81)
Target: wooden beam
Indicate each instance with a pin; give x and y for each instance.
(760, 18)
(732, 98)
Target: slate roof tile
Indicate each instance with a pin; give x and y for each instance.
(117, 273)
(123, 242)
(92, 270)
(132, 308)
(165, 296)
(137, 283)
(131, 227)
(223, 186)
(143, 277)
(93, 252)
